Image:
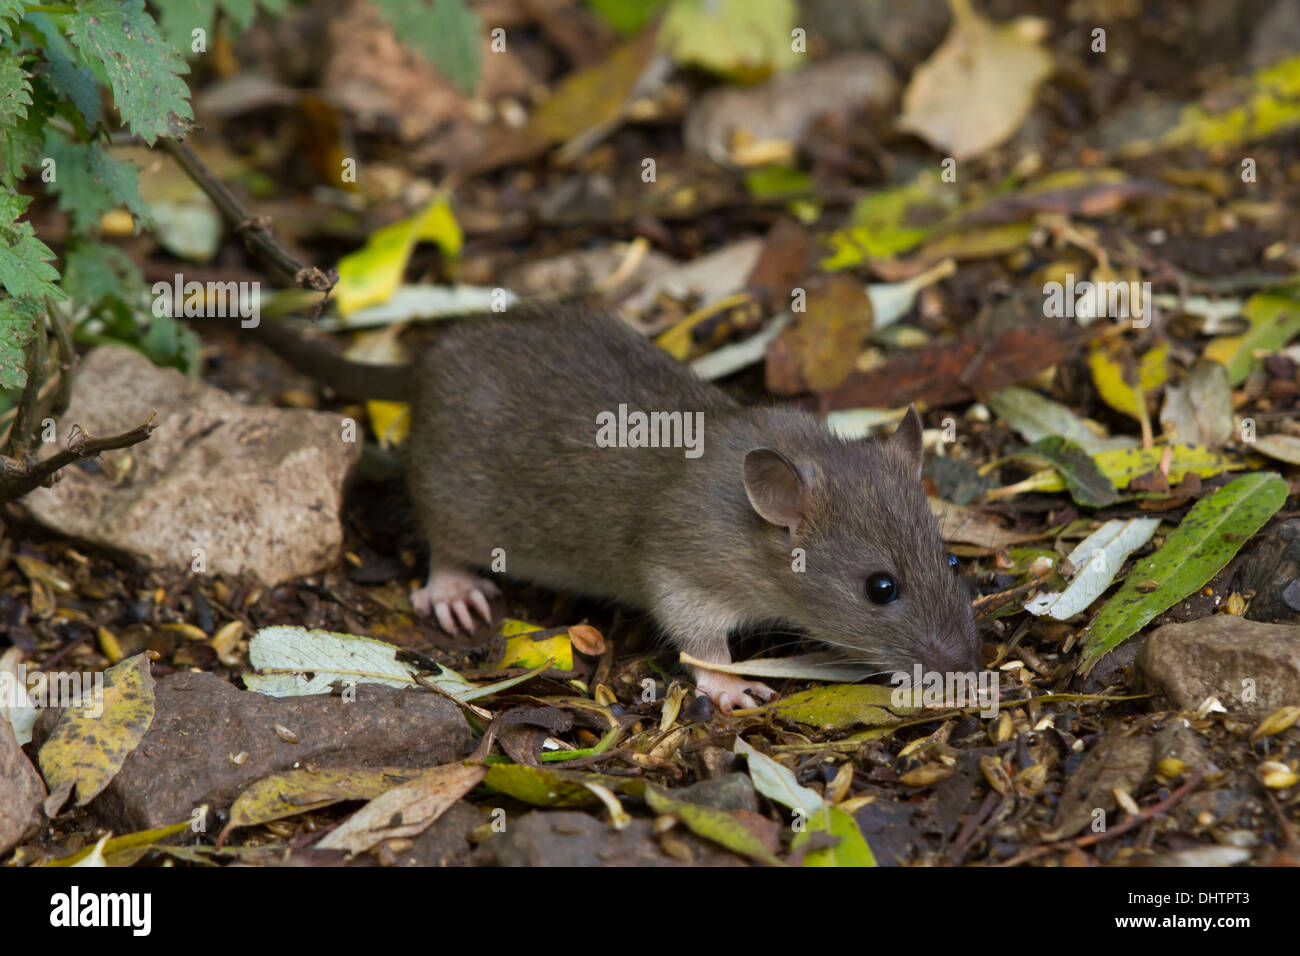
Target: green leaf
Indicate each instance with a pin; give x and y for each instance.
(852, 850)
(11, 11)
(1035, 417)
(446, 34)
(1203, 544)
(716, 825)
(19, 320)
(15, 90)
(76, 82)
(143, 69)
(24, 260)
(742, 39)
(19, 123)
(179, 18)
(89, 182)
(1274, 321)
(777, 782)
(94, 271)
(627, 16)
(1088, 485)
(545, 787)
(841, 706)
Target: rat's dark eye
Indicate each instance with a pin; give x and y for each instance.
(953, 562)
(882, 588)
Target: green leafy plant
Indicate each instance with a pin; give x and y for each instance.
(61, 66)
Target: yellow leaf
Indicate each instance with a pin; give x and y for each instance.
(1274, 321)
(89, 744)
(1122, 465)
(1108, 374)
(523, 651)
(512, 627)
(372, 273)
(129, 846)
(391, 422)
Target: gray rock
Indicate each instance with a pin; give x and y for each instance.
(21, 791)
(257, 489)
(573, 838)
(1252, 668)
(202, 722)
(1271, 569)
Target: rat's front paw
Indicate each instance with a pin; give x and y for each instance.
(452, 590)
(730, 692)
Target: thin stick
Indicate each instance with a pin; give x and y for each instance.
(256, 231)
(17, 479)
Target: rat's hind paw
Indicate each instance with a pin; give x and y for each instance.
(454, 591)
(730, 692)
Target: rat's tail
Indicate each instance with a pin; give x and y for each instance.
(353, 379)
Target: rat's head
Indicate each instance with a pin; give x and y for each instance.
(875, 579)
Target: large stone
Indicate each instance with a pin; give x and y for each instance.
(21, 791)
(1252, 668)
(256, 489)
(203, 723)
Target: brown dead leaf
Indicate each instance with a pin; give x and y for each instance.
(979, 85)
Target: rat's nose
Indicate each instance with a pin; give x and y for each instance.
(939, 655)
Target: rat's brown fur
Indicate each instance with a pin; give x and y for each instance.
(502, 454)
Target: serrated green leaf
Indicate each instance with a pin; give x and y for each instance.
(1203, 544)
(15, 127)
(143, 69)
(446, 34)
(11, 11)
(75, 81)
(15, 88)
(19, 320)
(179, 18)
(24, 260)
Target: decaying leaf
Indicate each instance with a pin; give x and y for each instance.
(90, 743)
(405, 810)
(1097, 560)
(978, 86)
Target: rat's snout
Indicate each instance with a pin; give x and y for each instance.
(947, 656)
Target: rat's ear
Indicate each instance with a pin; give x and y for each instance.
(775, 488)
(905, 442)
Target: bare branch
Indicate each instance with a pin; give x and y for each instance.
(18, 478)
(255, 230)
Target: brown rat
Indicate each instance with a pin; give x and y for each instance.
(759, 515)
